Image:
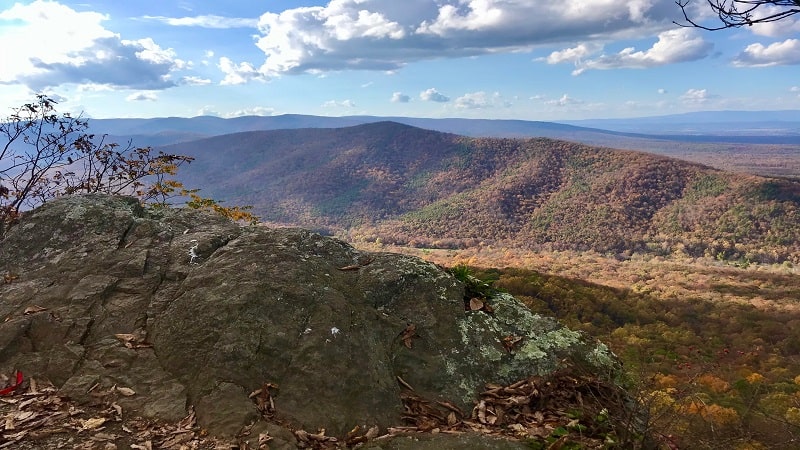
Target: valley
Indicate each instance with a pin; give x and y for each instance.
(396, 184)
(688, 272)
(711, 347)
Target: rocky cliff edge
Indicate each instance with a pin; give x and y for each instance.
(179, 309)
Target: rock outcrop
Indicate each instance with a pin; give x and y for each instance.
(186, 309)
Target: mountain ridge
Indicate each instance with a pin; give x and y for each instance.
(578, 130)
(412, 186)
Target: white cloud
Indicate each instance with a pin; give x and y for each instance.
(195, 81)
(208, 110)
(776, 54)
(399, 97)
(207, 21)
(480, 100)
(340, 104)
(794, 89)
(387, 34)
(146, 96)
(779, 28)
(255, 111)
(662, 91)
(238, 73)
(432, 95)
(574, 54)
(479, 15)
(92, 87)
(78, 50)
(673, 46)
(150, 51)
(565, 100)
(696, 96)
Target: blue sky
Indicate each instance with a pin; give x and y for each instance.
(504, 59)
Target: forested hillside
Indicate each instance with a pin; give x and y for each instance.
(406, 185)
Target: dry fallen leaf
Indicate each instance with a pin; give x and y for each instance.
(92, 424)
(475, 304)
(33, 309)
(127, 392)
(9, 277)
(452, 419)
(372, 433)
(133, 341)
(510, 341)
(408, 334)
(404, 383)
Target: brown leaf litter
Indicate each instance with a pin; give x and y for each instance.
(555, 410)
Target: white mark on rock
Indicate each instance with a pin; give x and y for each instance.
(193, 252)
(334, 331)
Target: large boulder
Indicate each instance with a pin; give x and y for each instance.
(185, 308)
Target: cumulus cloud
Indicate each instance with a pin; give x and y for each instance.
(480, 100)
(662, 91)
(82, 51)
(696, 96)
(195, 81)
(673, 46)
(206, 21)
(776, 28)
(776, 54)
(432, 95)
(142, 97)
(208, 110)
(387, 34)
(399, 97)
(573, 54)
(238, 73)
(255, 111)
(565, 100)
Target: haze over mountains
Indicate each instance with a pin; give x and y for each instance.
(775, 127)
(412, 186)
(736, 141)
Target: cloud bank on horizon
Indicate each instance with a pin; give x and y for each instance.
(494, 58)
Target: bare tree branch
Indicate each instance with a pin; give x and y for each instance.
(738, 13)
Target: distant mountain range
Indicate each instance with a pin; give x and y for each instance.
(710, 123)
(413, 186)
(712, 141)
(768, 127)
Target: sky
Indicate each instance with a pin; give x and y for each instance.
(545, 60)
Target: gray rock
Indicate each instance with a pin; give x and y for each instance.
(217, 310)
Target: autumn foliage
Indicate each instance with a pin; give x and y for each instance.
(408, 186)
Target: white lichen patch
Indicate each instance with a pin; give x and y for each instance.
(76, 212)
(602, 356)
(543, 345)
(193, 252)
